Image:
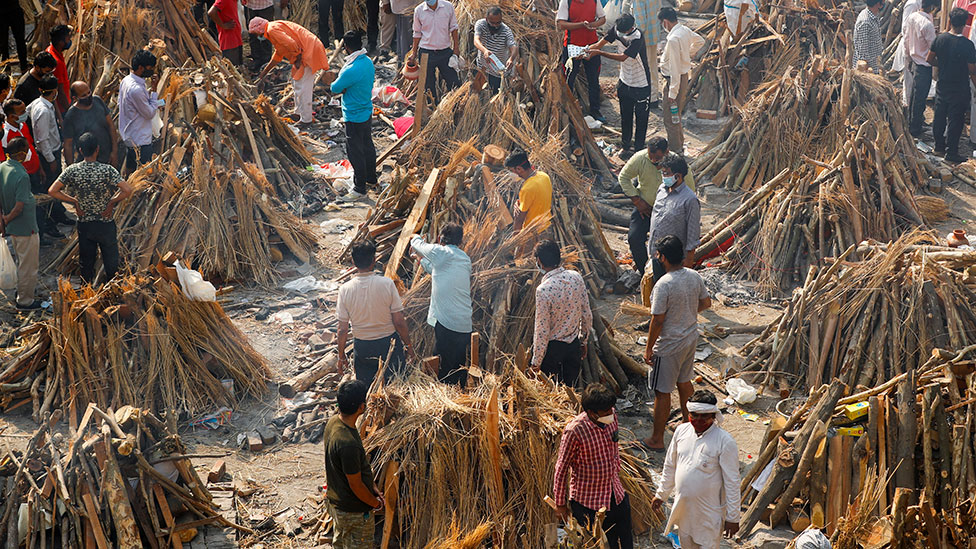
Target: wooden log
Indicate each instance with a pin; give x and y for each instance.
(899, 509)
(391, 489)
(306, 379)
(907, 434)
(838, 480)
(127, 532)
(413, 223)
(800, 477)
(217, 471)
(799, 520)
(818, 486)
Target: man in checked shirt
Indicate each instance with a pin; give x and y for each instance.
(589, 447)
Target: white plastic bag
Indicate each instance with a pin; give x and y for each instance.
(8, 269)
(742, 392)
(193, 284)
(613, 10)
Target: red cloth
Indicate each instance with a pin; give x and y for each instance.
(228, 38)
(402, 125)
(33, 162)
(590, 451)
(61, 73)
(581, 11)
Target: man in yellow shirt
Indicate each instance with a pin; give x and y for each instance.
(535, 196)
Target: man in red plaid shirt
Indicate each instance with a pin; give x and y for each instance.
(589, 448)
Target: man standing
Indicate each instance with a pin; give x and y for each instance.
(673, 334)
(29, 86)
(334, 8)
(260, 49)
(580, 19)
(450, 300)
(901, 61)
(640, 180)
(589, 448)
(435, 32)
(14, 126)
(676, 211)
(60, 42)
(4, 87)
(137, 106)
(494, 38)
(682, 44)
(89, 114)
(355, 83)
(535, 197)
(352, 494)
(955, 56)
(302, 49)
(645, 17)
(94, 189)
(918, 42)
(224, 14)
(12, 21)
(634, 86)
(371, 305)
(18, 219)
(702, 468)
(47, 136)
(562, 317)
(868, 45)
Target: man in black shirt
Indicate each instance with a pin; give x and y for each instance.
(12, 20)
(955, 55)
(29, 87)
(89, 114)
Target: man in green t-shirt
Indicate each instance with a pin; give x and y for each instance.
(19, 220)
(351, 492)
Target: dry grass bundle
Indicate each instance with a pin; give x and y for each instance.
(932, 209)
(121, 478)
(477, 464)
(870, 320)
(136, 339)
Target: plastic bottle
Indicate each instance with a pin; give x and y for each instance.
(675, 118)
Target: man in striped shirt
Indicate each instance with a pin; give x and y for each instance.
(589, 447)
(868, 45)
(494, 38)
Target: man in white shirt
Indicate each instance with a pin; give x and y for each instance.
(900, 61)
(370, 304)
(47, 143)
(682, 44)
(919, 35)
(137, 106)
(702, 468)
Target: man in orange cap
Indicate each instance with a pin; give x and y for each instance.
(300, 47)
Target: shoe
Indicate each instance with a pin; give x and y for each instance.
(626, 153)
(352, 196)
(599, 118)
(654, 105)
(67, 221)
(939, 151)
(34, 305)
(954, 158)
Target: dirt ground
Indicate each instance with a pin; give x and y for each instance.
(289, 476)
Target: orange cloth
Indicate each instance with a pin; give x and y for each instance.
(291, 40)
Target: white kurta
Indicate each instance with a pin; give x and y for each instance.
(703, 472)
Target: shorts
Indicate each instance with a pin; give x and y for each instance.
(667, 371)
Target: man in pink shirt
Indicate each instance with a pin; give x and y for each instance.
(224, 14)
(918, 41)
(435, 32)
(562, 317)
(301, 48)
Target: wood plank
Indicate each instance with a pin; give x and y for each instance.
(420, 112)
(250, 137)
(157, 490)
(93, 521)
(414, 221)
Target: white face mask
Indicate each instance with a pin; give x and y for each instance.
(668, 181)
(606, 420)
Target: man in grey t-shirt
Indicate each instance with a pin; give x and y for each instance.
(673, 334)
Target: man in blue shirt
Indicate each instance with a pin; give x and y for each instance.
(450, 300)
(355, 83)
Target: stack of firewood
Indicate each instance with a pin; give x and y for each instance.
(122, 479)
(869, 320)
(890, 464)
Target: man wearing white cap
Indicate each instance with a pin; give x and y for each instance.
(702, 468)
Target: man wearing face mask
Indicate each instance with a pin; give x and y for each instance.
(676, 211)
(137, 106)
(29, 86)
(868, 45)
(60, 43)
(702, 468)
(355, 83)
(562, 317)
(589, 448)
(47, 142)
(14, 126)
(681, 46)
(18, 209)
(435, 32)
(634, 86)
(89, 114)
(673, 335)
(640, 180)
(494, 38)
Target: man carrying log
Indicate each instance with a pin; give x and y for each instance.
(450, 300)
(955, 56)
(681, 46)
(370, 304)
(353, 497)
(534, 206)
(702, 468)
(19, 219)
(301, 48)
(589, 448)
(355, 83)
(673, 335)
(640, 180)
(919, 35)
(137, 106)
(580, 19)
(562, 317)
(94, 189)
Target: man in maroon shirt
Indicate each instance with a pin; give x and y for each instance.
(580, 20)
(589, 447)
